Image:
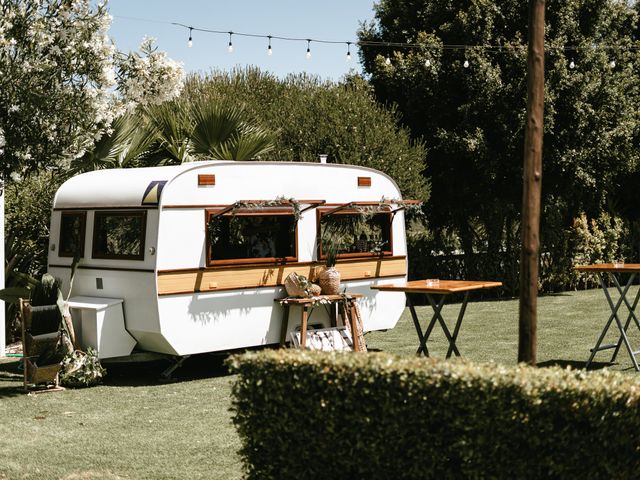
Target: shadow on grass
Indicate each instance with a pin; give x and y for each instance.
(575, 364)
(139, 374)
(10, 380)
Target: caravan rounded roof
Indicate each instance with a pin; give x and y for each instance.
(135, 187)
(117, 187)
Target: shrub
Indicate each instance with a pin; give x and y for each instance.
(312, 415)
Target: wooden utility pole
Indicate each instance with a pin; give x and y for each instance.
(532, 184)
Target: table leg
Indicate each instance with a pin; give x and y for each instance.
(303, 326)
(416, 323)
(285, 325)
(614, 316)
(354, 326)
(456, 329)
(445, 329)
(631, 309)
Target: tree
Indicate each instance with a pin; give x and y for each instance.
(472, 117)
(55, 79)
(310, 117)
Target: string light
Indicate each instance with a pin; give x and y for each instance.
(396, 45)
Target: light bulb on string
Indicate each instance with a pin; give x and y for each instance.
(308, 55)
(466, 63)
(427, 63)
(572, 64)
(612, 63)
(348, 51)
(230, 43)
(269, 50)
(190, 42)
(387, 60)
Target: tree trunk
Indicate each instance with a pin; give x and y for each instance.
(532, 186)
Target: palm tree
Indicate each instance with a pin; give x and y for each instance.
(121, 148)
(173, 133)
(204, 130)
(225, 133)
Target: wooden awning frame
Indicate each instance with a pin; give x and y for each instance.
(388, 203)
(311, 204)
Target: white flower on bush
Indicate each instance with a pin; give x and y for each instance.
(149, 77)
(56, 79)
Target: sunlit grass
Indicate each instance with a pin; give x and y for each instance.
(139, 428)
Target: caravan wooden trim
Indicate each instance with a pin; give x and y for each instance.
(210, 213)
(172, 282)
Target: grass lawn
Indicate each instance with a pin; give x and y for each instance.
(136, 427)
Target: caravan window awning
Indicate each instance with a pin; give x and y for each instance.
(253, 205)
(401, 204)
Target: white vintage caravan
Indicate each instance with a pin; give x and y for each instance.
(189, 259)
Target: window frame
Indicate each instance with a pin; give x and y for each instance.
(83, 232)
(213, 212)
(387, 252)
(119, 213)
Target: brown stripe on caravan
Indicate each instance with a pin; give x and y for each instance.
(172, 282)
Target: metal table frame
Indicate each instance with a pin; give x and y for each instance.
(614, 271)
(436, 296)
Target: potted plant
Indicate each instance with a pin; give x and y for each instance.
(329, 277)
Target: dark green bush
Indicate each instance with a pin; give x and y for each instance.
(312, 415)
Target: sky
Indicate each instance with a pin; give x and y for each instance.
(336, 20)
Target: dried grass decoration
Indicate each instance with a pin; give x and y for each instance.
(81, 369)
(329, 278)
(300, 286)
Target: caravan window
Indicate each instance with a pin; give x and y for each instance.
(354, 234)
(119, 235)
(250, 237)
(72, 230)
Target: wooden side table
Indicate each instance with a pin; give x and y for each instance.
(437, 292)
(308, 304)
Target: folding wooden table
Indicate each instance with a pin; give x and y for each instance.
(615, 270)
(437, 292)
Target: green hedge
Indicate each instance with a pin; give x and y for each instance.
(354, 416)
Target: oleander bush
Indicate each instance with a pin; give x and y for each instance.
(314, 415)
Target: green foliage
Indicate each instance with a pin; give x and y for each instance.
(314, 415)
(472, 118)
(56, 74)
(28, 215)
(120, 148)
(311, 117)
(81, 369)
(176, 132)
(596, 240)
